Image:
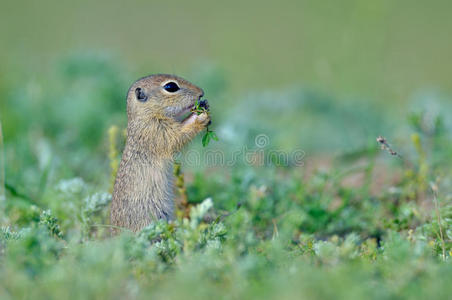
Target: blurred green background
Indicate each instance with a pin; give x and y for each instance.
(324, 77)
(316, 75)
(382, 50)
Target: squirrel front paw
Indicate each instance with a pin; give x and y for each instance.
(203, 119)
(197, 122)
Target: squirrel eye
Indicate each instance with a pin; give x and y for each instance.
(140, 95)
(171, 87)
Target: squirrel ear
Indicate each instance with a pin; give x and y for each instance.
(141, 96)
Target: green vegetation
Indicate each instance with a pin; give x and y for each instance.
(331, 177)
(357, 224)
(203, 107)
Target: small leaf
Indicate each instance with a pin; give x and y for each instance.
(206, 139)
(214, 136)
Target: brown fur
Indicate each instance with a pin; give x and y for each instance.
(144, 183)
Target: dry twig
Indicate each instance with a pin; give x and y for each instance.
(385, 146)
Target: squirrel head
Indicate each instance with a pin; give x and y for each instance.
(161, 97)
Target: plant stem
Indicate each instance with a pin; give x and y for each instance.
(113, 154)
(2, 167)
(180, 184)
(438, 216)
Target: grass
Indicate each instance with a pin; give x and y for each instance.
(2, 167)
(351, 222)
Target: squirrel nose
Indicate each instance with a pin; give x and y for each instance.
(201, 95)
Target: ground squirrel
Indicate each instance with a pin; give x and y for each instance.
(156, 130)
